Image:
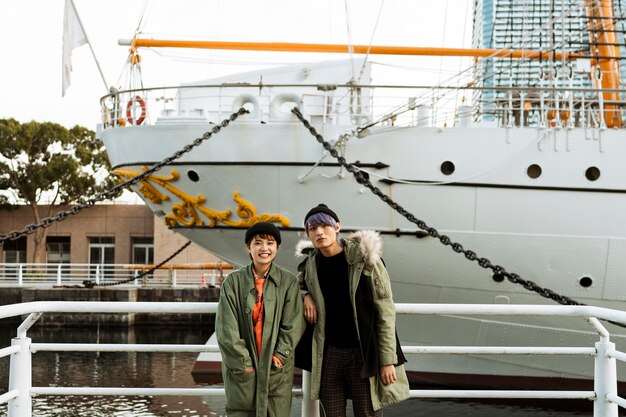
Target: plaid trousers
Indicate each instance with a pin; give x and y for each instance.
(341, 368)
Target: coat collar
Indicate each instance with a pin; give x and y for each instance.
(273, 273)
(365, 245)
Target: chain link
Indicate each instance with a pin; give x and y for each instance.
(109, 194)
(499, 273)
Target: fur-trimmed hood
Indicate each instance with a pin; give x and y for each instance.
(369, 246)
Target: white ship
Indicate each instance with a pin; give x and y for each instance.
(521, 162)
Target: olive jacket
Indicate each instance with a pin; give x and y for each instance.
(374, 315)
(267, 386)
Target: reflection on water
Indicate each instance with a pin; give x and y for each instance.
(112, 369)
(173, 370)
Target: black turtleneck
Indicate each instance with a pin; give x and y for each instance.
(333, 276)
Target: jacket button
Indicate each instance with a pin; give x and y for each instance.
(247, 310)
(287, 352)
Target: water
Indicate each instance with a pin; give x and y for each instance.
(109, 369)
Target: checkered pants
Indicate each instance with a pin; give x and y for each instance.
(341, 380)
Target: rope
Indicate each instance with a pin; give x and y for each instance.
(369, 47)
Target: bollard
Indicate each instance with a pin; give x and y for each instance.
(20, 379)
(310, 408)
(605, 380)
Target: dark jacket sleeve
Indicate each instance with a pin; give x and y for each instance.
(304, 350)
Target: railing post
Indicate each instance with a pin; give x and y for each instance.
(98, 274)
(20, 379)
(605, 380)
(174, 278)
(59, 275)
(20, 276)
(310, 408)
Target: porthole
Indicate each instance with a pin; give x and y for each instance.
(585, 282)
(498, 277)
(193, 176)
(447, 168)
(592, 173)
(534, 171)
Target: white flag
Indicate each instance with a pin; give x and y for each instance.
(73, 37)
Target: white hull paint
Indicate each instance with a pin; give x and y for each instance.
(553, 230)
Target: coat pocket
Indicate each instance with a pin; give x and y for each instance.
(281, 380)
(240, 390)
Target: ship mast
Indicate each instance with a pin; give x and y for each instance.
(344, 49)
(605, 47)
(605, 52)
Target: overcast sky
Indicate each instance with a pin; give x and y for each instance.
(32, 32)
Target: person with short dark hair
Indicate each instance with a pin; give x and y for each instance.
(258, 325)
(355, 352)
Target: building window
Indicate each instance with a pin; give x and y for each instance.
(143, 250)
(15, 251)
(58, 249)
(101, 255)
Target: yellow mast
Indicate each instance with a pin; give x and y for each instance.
(603, 38)
(600, 16)
(344, 49)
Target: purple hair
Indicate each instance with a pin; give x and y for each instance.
(320, 219)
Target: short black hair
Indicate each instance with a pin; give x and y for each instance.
(263, 228)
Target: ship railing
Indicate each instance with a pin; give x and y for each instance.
(604, 395)
(127, 275)
(364, 105)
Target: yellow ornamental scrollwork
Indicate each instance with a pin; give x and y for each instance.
(148, 190)
(190, 211)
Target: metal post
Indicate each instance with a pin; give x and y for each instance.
(174, 278)
(59, 275)
(310, 408)
(605, 380)
(98, 274)
(20, 276)
(20, 379)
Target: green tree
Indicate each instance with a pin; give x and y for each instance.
(37, 159)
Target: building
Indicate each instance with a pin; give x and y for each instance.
(101, 234)
(540, 25)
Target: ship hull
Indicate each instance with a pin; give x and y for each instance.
(562, 230)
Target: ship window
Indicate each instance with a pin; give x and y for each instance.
(534, 171)
(586, 282)
(193, 176)
(592, 173)
(447, 168)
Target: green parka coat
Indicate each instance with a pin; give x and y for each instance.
(267, 390)
(369, 281)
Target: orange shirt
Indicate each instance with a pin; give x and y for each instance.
(258, 313)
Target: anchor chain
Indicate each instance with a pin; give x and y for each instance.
(46, 222)
(91, 284)
(499, 272)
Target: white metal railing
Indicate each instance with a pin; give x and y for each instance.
(360, 105)
(20, 390)
(184, 275)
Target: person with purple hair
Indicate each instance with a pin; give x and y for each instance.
(354, 349)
